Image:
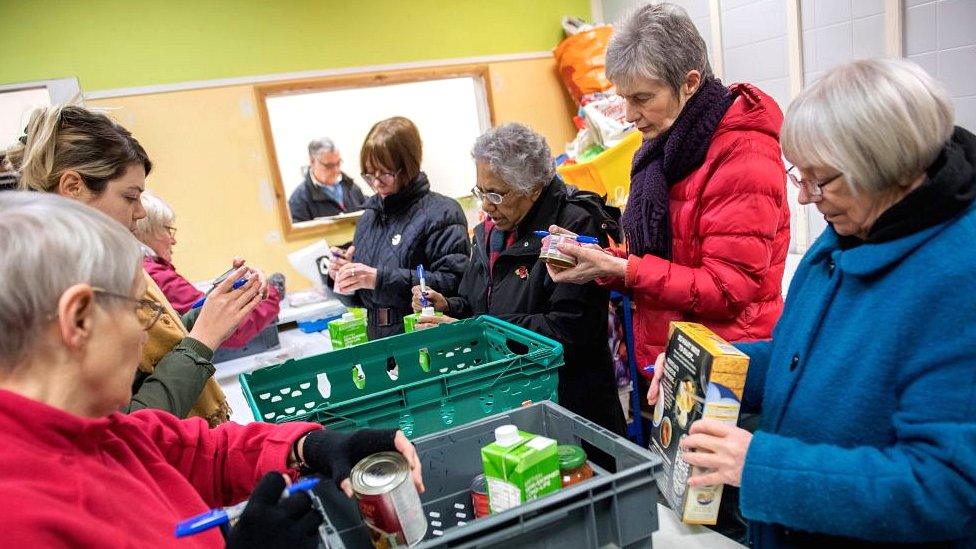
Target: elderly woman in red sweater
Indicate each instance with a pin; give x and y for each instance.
(707, 220)
(75, 472)
(157, 231)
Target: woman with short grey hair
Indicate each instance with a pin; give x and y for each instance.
(157, 232)
(707, 219)
(868, 429)
(520, 195)
(74, 321)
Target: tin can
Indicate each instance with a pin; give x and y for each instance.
(551, 254)
(479, 497)
(388, 500)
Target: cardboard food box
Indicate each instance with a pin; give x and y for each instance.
(519, 467)
(704, 376)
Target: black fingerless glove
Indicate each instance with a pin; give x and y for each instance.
(270, 522)
(334, 454)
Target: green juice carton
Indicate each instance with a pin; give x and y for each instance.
(348, 331)
(519, 467)
(410, 321)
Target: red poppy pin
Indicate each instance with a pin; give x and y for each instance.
(522, 272)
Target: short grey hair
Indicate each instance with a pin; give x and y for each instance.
(48, 244)
(517, 155)
(159, 216)
(656, 42)
(322, 144)
(880, 122)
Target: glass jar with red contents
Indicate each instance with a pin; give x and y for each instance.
(572, 464)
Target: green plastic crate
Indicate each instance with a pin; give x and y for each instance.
(478, 367)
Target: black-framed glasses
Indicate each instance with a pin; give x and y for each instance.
(147, 310)
(386, 178)
(170, 230)
(814, 187)
(490, 197)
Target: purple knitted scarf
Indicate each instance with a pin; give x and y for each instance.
(665, 160)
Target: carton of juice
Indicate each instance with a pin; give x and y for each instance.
(410, 321)
(519, 467)
(348, 331)
(703, 377)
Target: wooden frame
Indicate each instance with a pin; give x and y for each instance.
(364, 80)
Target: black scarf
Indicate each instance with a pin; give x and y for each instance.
(667, 159)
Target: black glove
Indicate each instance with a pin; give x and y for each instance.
(269, 521)
(334, 454)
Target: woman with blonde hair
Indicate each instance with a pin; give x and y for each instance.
(83, 155)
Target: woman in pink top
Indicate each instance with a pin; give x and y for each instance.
(157, 231)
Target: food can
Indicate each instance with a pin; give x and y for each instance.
(388, 500)
(551, 254)
(479, 497)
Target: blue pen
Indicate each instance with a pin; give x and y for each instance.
(223, 515)
(582, 239)
(424, 302)
(199, 303)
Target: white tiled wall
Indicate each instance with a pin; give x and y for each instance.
(615, 10)
(838, 31)
(755, 46)
(940, 35)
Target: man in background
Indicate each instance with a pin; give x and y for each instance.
(326, 190)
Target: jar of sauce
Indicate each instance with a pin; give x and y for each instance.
(572, 464)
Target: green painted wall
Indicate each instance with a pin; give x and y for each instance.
(114, 44)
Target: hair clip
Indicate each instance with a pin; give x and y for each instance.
(23, 139)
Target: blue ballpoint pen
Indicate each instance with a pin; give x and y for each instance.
(223, 515)
(424, 302)
(199, 303)
(582, 239)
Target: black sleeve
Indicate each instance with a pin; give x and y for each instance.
(447, 252)
(575, 310)
(298, 207)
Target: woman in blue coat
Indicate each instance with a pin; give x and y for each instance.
(868, 386)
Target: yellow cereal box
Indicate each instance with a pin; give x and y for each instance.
(703, 377)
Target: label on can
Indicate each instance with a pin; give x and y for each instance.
(388, 500)
(551, 254)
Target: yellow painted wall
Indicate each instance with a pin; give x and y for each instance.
(210, 163)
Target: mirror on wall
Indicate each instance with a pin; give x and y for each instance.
(314, 130)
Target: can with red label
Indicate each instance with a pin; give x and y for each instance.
(388, 500)
(479, 497)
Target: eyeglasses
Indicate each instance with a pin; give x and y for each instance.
(329, 165)
(814, 187)
(386, 178)
(492, 198)
(147, 310)
(171, 230)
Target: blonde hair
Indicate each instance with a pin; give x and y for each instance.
(880, 122)
(68, 137)
(159, 216)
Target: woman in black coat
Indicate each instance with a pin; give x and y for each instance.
(404, 224)
(519, 194)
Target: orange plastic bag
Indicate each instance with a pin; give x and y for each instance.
(582, 61)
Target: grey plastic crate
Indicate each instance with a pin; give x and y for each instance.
(616, 508)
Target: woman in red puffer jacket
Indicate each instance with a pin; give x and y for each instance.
(707, 220)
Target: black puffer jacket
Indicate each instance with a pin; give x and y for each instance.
(308, 201)
(412, 227)
(521, 292)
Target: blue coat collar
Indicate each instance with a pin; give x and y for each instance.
(870, 259)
